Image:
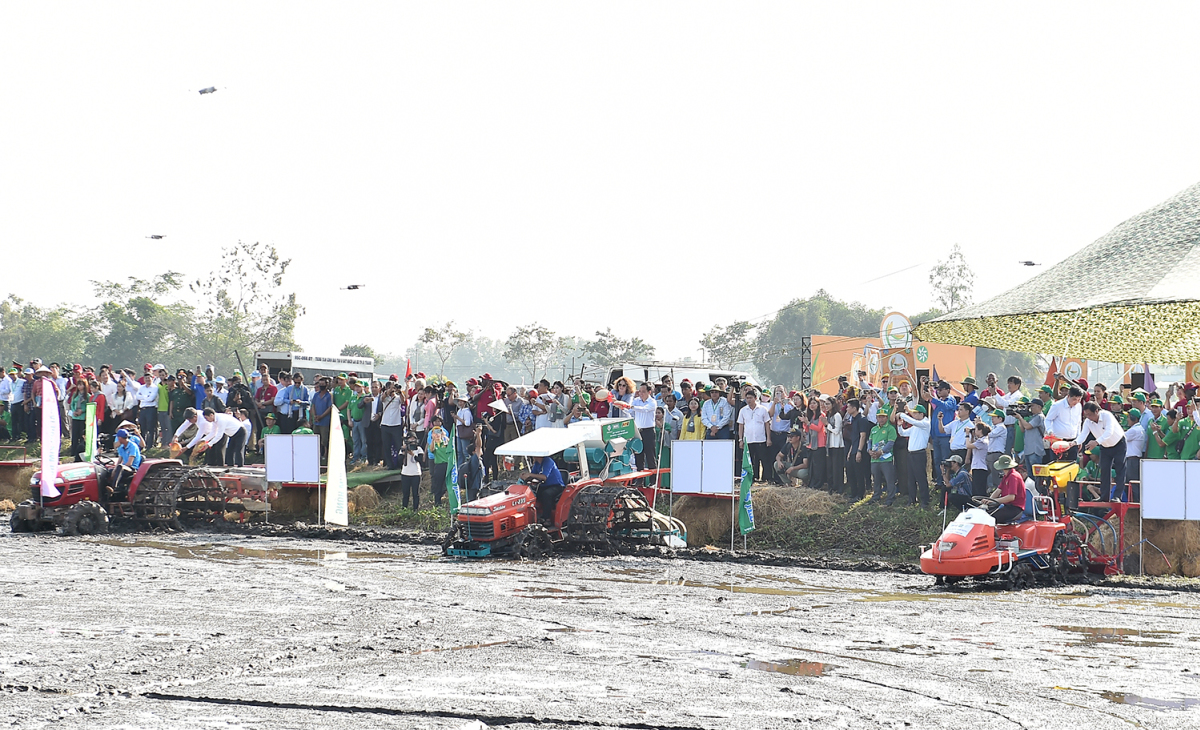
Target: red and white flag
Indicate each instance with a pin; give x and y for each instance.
(51, 438)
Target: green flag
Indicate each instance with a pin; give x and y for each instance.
(89, 432)
(452, 495)
(746, 508)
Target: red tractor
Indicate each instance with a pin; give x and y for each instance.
(159, 492)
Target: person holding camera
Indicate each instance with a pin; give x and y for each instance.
(958, 482)
(1033, 423)
(391, 424)
(881, 444)
(944, 409)
(410, 473)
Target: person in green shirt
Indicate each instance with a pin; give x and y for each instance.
(341, 400)
(438, 444)
(1156, 430)
(79, 403)
(880, 443)
(359, 421)
(1191, 444)
(165, 431)
(268, 430)
(302, 427)
(1173, 436)
(179, 400)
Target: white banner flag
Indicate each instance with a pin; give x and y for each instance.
(51, 438)
(336, 510)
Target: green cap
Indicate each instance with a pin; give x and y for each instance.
(1140, 396)
(1156, 402)
(1117, 399)
(997, 413)
(1046, 389)
(893, 389)
(920, 409)
(1024, 399)
(1134, 414)
(342, 376)
(270, 416)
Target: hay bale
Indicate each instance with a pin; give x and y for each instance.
(7, 505)
(1173, 536)
(708, 520)
(14, 482)
(365, 498)
(1189, 565)
(295, 501)
(1154, 563)
(771, 503)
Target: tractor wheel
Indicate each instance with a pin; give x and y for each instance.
(85, 518)
(1020, 577)
(531, 543)
(19, 525)
(451, 536)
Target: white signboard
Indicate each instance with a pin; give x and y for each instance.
(1166, 488)
(295, 458)
(702, 467)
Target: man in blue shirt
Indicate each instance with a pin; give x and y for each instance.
(548, 483)
(944, 406)
(322, 404)
(129, 458)
(972, 397)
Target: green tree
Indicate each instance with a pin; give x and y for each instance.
(1005, 363)
(444, 341)
(243, 307)
(533, 347)
(133, 325)
(608, 349)
(60, 334)
(363, 351)
(778, 345)
(728, 346)
(952, 281)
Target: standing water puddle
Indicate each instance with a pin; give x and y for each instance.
(794, 667)
(1124, 698)
(1106, 635)
(228, 553)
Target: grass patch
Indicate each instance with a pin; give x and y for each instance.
(391, 514)
(892, 533)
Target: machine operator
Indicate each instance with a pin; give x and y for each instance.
(129, 458)
(548, 483)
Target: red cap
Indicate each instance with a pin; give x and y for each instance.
(685, 380)
(78, 368)
(488, 376)
(420, 375)
(472, 381)
(793, 394)
(1189, 385)
(147, 366)
(532, 394)
(393, 377)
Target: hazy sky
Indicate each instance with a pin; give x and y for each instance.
(653, 167)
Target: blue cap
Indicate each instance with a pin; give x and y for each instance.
(122, 433)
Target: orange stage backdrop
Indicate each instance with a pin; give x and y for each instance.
(833, 356)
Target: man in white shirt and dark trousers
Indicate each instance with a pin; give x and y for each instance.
(1063, 423)
(1135, 449)
(643, 408)
(918, 440)
(752, 430)
(216, 431)
(1102, 428)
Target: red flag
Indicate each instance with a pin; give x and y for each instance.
(408, 371)
(1051, 372)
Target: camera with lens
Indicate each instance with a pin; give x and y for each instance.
(1019, 409)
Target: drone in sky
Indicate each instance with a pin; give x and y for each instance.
(353, 287)
(156, 237)
(209, 90)
(1028, 263)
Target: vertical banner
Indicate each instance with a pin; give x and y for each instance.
(51, 437)
(336, 510)
(746, 508)
(89, 433)
(452, 495)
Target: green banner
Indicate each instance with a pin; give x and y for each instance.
(89, 432)
(620, 429)
(746, 508)
(452, 495)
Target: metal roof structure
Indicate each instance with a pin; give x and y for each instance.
(1131, 296)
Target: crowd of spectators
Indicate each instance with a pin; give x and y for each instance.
(885, 443)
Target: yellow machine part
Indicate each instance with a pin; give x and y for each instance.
(1061, 472)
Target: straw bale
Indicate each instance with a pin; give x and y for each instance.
(7, 505)
(295, 501)
(1172, 536)
(1153, 563)
(365, 497)
(708, 520)
(16, 485)
(1189, 565)
(771, 503)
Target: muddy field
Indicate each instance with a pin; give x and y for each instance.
(230, 631)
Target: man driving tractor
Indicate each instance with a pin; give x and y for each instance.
(548, 483)
(1008, 500)
(129, 458)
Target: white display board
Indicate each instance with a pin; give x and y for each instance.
(293, 458)
(1165, 489)
(702, 467)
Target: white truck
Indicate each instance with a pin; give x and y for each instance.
(312, 365)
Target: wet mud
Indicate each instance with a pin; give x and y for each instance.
(281, 627)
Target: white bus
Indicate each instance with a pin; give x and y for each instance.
(311, 365)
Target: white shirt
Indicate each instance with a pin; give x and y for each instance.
(958, 433)
(224, 424)
(6, 389)
(1063, 421)
(392, 412)
(833, 427)
(1135, 441)
(121, 403)
(998, 439)
(203, 429)
(246, 426)
(1107, 431)
(185, 426)
(412, 465)
(643, 412)
(109, 389)
(464, 417)
(917, 432)
(979, 454)
(148, 397)
(754, 423)
(1004, 400)
(223, 395)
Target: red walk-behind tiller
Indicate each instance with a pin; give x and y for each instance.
(1066, 536)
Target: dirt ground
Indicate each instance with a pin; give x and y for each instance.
(200, 631)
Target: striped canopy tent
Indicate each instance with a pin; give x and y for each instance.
(1131, 296)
